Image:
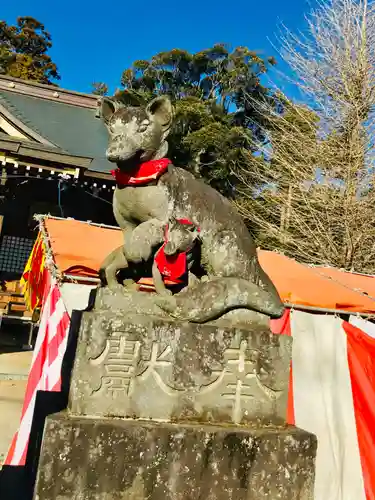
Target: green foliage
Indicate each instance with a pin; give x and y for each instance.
(216, 125)
(99, 88)
(23, 51)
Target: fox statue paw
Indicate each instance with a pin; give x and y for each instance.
(166, 302)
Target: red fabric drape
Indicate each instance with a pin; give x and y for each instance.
(361, 360)
(282, 326)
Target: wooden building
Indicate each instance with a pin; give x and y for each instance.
(52, 161)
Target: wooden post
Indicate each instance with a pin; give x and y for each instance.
(3, 176)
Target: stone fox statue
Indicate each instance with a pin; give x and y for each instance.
(175, 260)
(150, 191)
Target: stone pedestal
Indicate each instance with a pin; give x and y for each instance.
(146, 367)
(110, 459)
(179, 411)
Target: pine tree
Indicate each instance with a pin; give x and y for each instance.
(23, 51)
(216, 126)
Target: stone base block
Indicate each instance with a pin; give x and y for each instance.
(139, 366)
(108, 459)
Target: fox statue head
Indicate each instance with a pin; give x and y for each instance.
(180, 237)
(136, 134)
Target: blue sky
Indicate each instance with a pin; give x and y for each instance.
(96, 40)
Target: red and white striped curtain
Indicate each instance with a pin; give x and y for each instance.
(332, 394)
(45, 371)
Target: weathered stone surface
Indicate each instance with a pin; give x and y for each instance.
(85, 459)
(148, 367)
(127, 299)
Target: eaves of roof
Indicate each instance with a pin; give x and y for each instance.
(64, 121)
(28, 149)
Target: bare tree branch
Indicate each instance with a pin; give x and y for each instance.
(313, 196)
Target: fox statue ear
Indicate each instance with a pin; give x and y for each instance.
(108, 106)
(161, 110)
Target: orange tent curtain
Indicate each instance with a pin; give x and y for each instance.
(79, 248)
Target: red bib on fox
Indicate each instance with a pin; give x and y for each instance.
(147, 172)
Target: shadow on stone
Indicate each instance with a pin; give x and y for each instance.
(127, 459)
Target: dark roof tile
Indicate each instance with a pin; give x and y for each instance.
(73, 129)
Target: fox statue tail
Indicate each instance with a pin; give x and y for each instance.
(208, 300)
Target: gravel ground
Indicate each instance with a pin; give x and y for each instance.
(14, 368)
